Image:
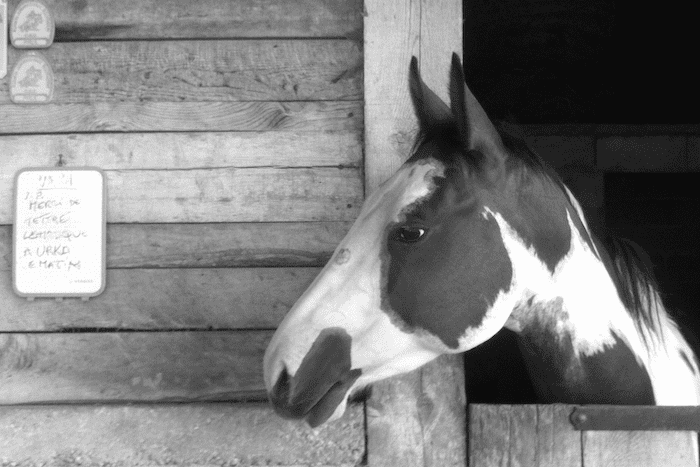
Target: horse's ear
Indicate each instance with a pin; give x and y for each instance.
(476, 130)
(431, 110)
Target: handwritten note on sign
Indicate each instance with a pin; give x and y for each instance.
(59, 233)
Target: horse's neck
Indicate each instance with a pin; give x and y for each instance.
(581, 343)
(578, 340)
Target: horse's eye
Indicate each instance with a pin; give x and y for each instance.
(409, 234)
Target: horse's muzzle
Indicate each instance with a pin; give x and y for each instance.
(321, 382)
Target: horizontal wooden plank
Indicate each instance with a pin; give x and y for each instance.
(177, 435)
(264, 194)
(223, 245)
(132, 366)
(195, 71)
(151, 299)
(234, 195)
(269, 244)
(135, 19)
(181, 116)
(110, 151)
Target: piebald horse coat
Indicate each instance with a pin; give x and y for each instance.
(472, 234)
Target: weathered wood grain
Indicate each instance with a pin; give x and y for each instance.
(152, 299)
(177, 435)
(420, 418)
(392, 37)
(490, 436)
(196, 71)
(639, 448)
(111, 151)
(522, 435)
(225, 195)
(442, 408)
(557, 443)
(394, 31)
(223, 245)
(135, 19)
(131, 366)
(180, 116)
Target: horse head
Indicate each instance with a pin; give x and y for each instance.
(471, 234)
(422, 271)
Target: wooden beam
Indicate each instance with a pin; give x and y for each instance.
(132, 366)
(183, 19)
(419, 419)
(174, 434)
(194, 150)
(115, 116)
(165, 299)
(392, 37)
(416, 419)
(196, 71)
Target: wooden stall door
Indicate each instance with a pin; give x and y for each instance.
(543, 436)
(230, 134)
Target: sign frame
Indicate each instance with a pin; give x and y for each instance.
(102, 238)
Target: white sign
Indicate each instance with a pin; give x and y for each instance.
(3, 38)
(59, 233)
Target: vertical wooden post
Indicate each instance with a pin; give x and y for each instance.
(416, 419)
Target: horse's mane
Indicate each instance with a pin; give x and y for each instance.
(636, 285)
(628, 265)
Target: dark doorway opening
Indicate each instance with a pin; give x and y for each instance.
(583, 61)
(661, 213)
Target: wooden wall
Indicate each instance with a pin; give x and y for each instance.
(231, 137)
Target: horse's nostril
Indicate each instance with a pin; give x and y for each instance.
(321, 381)
(280, 391)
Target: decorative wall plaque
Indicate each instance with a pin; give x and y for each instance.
(32, 80)
(59, 233)
(32, 25)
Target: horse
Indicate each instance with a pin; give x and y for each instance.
(473, 234)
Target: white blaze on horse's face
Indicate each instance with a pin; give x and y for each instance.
(415, 277)
(344, 303)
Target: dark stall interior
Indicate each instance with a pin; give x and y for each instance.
(617, 79)
(593, 61)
